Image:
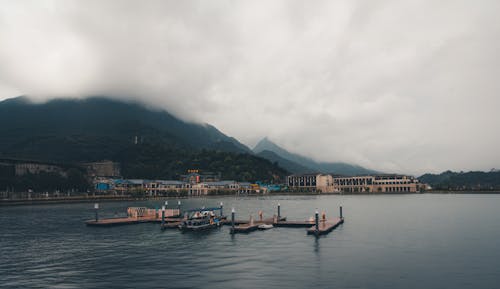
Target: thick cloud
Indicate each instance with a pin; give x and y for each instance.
(402, 86)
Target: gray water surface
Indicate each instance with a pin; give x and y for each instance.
(387, 241)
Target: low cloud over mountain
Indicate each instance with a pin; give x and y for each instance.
(395, 86)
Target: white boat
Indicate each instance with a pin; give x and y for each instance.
(265, 227)
(200, 220)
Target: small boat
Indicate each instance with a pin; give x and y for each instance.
(265, 227)
(200, 221)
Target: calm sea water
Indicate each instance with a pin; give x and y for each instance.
(387, 241)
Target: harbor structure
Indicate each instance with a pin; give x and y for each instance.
(174, 187)
(312, 182)
(103, 169)
(22, 167)
(377, 184)
(386, 183)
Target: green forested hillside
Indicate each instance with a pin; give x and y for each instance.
(148, 144)
(95, 129)
(160, 162)
(463, 180)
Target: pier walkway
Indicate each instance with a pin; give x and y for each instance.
(325, 227)
(315, 227)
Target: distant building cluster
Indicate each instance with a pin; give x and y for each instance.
(192, 184)
(326, 183)
(107, 180)
(93, 169)
(102, 168)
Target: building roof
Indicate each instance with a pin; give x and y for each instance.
(137, 181)
(170, 182)
(221, 183)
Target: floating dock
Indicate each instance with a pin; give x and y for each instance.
(294, 224)
(136, 215)
(244, 228)
(171, 219)
(250, 226)
(325, 227)
(118, 221)
(315, 226)
(127, 221)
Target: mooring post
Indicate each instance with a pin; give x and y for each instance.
(162, 216)
(279, 212)
(341, 212)
(317, 221)
(96, 208)
(232, 220)
(221, 209)
(179, 207)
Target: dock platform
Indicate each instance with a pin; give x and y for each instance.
(325, 227)
(244, 228)
(136, 215)
(294, 224)
(172, 218)
(119, 221)
(247, 227)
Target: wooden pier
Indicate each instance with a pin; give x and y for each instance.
(244, 228)
(294, 224)
(118, 221)
(136, 215)
(250, 226)
(325, 227)
(315, 226)
(171, 219)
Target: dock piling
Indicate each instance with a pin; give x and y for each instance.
(232, 220)
(316, 221)
(341, 212)
(162, 216)
(221, 209)
(179, 207)
(279, 211)
(96, 208)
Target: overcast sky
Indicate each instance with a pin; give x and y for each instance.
(397, 86)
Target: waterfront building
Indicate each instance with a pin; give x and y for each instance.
(195, 176)
(396, 184)
(311, 182)
(377, 184)
(102, 169)
(14, 167)
(162, 187)
(358, 184)
(166, 187)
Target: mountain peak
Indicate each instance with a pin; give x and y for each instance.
(300, 164)
(265, 144)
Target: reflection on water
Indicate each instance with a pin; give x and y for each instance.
(400, 241)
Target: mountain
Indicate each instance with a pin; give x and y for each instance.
(300, 164)
(284, 163)
(147, 143)
(97, 128)
(463, 180)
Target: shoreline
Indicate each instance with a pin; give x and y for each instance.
(111, 198)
